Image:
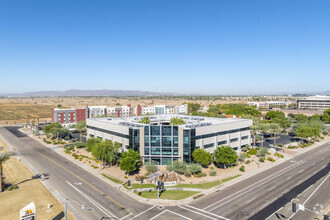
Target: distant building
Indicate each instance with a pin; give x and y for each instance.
(120, 111)
(269, 104)
(96, 111)
(161, 109)
(317, 102)
(69, 116)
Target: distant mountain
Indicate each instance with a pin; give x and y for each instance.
(77, 92)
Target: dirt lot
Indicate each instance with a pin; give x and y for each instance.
(31, 190)
(19, 108)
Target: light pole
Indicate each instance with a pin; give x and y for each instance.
(66, 207)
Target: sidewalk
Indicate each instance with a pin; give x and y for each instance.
(164, 202)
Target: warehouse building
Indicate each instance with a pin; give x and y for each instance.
(159, 141)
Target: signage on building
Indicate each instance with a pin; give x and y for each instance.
(28, 212)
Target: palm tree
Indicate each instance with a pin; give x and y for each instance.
(263, 127)
(254, 128)
(80, 127)
(274, 128)
(3, 158)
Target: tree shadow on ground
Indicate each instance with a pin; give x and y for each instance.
(59, 216)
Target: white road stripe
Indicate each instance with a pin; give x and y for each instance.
(126, 216)
(275, 175)
(210, 213)
(104, 210)
(197, 213)
(158, 215)
(178, 214)
(141, 213)
(310, 196)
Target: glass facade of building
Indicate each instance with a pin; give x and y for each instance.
(134, 139)
(161, 143)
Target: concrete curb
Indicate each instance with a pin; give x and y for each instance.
(188, 200)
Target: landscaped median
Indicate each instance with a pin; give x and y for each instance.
(178, 192)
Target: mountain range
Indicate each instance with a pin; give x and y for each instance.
(106, 92)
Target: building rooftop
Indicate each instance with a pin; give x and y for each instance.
(164, 119)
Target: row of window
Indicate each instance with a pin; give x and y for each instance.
(221, 133)
(108, 132)
(161, 151)
(220, 143)
(165, 130)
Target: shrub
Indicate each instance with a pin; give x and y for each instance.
(177, 166)
(195, 168)
(15, 187)
(242, 157)
(278, 155)
(151, 167)
(263, 151)
(125, 177)
(252, 151)
(248, 161)
(325, 133)
(211, 167)
(262, 159)
(247, 155)
(202, 157)
(10, 188)
(198, 175)
(187, 173)
(213, 173)
(204, 175)
(242, 169)
(270, 159)
(291, 147)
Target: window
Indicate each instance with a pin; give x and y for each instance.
(233, 140)
(166, 151)
(155, 151)
(208, 145)
(175, 151)
(220, 143)
(155, 141)
(175, 141)
(167, 141)
(166, 130)
(245, 137)
(155, 130)
(175, 130)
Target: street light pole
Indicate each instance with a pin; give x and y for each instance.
(158, 180)
(66, 207)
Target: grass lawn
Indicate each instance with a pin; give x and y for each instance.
(113, 179)
(199, 186)
(172, 195)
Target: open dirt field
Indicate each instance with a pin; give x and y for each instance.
(17, 109)
(31, 190)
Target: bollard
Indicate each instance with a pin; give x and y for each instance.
(128, 183)
(141, 179)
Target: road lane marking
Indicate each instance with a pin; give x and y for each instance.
(275, 175)
(289, 178)
(86, 182)
(210, 213)
(301, 171)
(158, 215)
(126, 216)
(104, 210)
(251, 200)
(197, 213)
(178, 214)
(271, 188)
(141, 213)
(310, 195)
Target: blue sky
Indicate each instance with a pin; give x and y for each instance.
(185, 46)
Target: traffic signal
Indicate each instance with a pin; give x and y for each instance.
(326, 217)
(294, 207)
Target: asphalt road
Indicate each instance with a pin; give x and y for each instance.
(256, 197)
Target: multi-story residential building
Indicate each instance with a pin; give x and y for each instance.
(120, 111)
(69, 116)
(96, 111)
(161, 109)
(314, 103)
(159, 141)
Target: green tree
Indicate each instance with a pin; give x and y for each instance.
(301, 118)
(326, 116)
(80, 127)
(225, 155)
(3, 158)
(194, 168)
(91, 142)
(202, 157)
(274, 114)
(304, 131)
(145, 120)
(49, 128)
(131, 157)
(274, 128)
(177, 121)
(193, 107)
(254, 128)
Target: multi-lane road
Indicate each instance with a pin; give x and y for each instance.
(256, 197)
